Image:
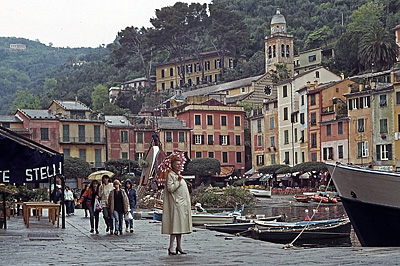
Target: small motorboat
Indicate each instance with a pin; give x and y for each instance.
(302, 198)
(232, 228)
(260, 192)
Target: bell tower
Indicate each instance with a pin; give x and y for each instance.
(279, 45)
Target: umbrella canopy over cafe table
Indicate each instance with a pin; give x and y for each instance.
(99, 174)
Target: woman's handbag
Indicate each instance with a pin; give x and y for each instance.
(128, 216)
(97, 205)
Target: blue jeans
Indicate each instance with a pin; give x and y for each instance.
(119, 217)
(94, 218)
(130, 223)
(108, 218)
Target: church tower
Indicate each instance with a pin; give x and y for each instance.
(279, 45)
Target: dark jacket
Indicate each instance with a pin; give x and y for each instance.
(132, 197)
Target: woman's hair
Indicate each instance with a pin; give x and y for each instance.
(104, 177)
(175, 159)
(93, 181)
(116, 182)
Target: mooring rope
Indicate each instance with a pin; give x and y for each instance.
(290, 245)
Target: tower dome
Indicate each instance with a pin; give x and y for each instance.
(278, 18)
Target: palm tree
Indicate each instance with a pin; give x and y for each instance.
(377, 47)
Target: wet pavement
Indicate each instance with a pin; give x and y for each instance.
(45, 244)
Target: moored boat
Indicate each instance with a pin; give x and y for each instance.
(312, 234)
(231, 228)
(370, 198)
(260, 192)
(207, 218)
(302, 198)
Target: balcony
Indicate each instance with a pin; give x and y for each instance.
(80, 140)
(328, 109)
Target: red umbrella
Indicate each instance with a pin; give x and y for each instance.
(165, 167)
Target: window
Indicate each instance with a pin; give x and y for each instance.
(209, 120)
(313, 119)
(295, 158)
(96, 133)
(238, 157)
(302, 99)
(162, 73)
(273, 159)
(223, 140)
(124, 136)
(340, 151)
(286, 161)
(360, 127)
(198, 139)
(82, 154)
(81, 132)
(328, 153)
(286, 136)
(317, 74)
(67, 153)
(124, 155)
(362, 149)
(303, 156)
(139, 137)
(259, 129)
(271, 123)
(260, 159)
(224, 157)
(197, 119)
(365, 102)
(65, 133)
(97, 158)
(237, 138)
(383, 126)
(259, 140)
(285, 113)
(139, 155)
(312, 99)
(284, 91)
(171, 72)
(382, 100)
(295, 135)
(340, 128)
(168, 136)
(237, 121)
(210, 139)
(223, 120)
(181, 136)
(384, 152)
(312, 58)
(302, 120)
(313, 157)
(272, 141)
(44, 134)
(398, 97)
(302, 136)
(313, 140)
(283, 50)
(6, 124)
(198, 154)
(328, 130)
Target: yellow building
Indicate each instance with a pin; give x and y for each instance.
(175, 74)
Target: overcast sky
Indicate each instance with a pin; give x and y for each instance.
(76, 23)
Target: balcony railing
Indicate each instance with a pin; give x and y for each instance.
(80, 140)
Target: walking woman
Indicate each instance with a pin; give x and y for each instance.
(131, 193)
(104, 191)
(118, 204)
(90, 195)
(177, 214)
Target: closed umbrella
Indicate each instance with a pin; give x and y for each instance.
(99, 174)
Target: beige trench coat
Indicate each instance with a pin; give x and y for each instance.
(177, 213)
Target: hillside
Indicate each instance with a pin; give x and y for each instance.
(20, 69)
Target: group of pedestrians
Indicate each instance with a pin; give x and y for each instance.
(116, 203)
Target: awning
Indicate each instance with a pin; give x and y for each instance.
(305, 176)
(25, 161)
(254, 177)
(249, 172)
(265, 178)
(225, 171)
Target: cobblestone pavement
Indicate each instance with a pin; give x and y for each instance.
(45, 244)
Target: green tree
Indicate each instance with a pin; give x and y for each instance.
(25, 100)
(76, 167)
(377, 48)
(121, 167)
(99, 97)
(204, 168)
(50, 92)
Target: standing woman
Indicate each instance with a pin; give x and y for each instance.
(118, 204)
(90, 194)
(131, 193)
(177, 214)
(69, 200)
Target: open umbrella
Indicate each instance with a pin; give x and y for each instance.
(165, 166)
(99, 174)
